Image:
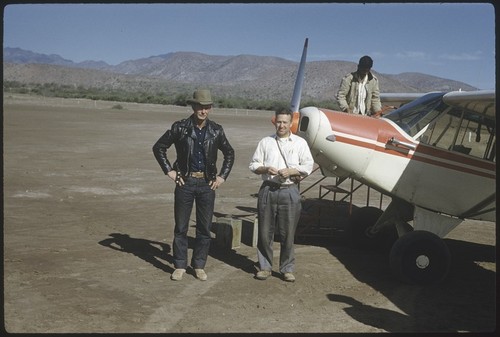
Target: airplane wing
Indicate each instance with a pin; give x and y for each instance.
(480, 102)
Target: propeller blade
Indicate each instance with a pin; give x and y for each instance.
(297, 90)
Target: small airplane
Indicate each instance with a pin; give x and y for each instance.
(433, 154)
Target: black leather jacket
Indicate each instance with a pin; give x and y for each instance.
(183, 135)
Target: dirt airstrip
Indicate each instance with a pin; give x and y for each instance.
(87, 234)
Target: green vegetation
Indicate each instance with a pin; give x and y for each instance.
(152, 97)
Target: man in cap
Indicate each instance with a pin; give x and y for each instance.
(197, 141)
(359, 91)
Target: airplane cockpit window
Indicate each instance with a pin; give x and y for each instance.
(415, 116)
(465, 132)
(456, 129)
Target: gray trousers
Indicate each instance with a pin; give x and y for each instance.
(278, 208)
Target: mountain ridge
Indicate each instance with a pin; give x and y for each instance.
(245, 76)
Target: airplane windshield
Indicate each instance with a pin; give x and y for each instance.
(416, 115)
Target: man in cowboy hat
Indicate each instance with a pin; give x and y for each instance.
(197, 141)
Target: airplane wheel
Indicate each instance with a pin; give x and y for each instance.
(420, 257)
(364, 218)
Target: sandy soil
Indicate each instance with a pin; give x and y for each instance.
(88, 230)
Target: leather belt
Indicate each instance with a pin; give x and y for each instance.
(276, 185)
(197, 174)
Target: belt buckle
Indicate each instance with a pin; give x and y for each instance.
(197, 175)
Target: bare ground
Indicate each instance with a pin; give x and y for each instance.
(88, 229)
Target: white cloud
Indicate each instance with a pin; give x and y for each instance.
(463, 56)
(413, 55)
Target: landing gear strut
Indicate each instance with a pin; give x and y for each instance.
(359, 229)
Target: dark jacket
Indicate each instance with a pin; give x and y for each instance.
(183, 135)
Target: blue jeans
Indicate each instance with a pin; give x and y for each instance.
(194, 189)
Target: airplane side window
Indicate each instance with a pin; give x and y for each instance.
(427, 136)
(463, 132)
(431, 121)
(439, 134)
(489, 136)
(476, 134)
(491, 155)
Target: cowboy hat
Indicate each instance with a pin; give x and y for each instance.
(202, 97)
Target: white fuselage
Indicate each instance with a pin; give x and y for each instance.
(360, 147)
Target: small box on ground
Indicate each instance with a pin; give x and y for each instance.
(228, 232)
(249, 232)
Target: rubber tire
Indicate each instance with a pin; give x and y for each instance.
(417, 247)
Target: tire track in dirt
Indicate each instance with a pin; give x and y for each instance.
(165, 317)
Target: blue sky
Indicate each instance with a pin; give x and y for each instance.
(449, 40)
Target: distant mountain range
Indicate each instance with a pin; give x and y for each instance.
(245, 76)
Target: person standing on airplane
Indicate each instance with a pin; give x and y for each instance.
(197, 141)
(359, 91)
(280, 159)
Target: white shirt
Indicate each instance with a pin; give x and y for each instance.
(295, 150)
(361, 108)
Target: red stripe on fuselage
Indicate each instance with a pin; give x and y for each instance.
(372, 132)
